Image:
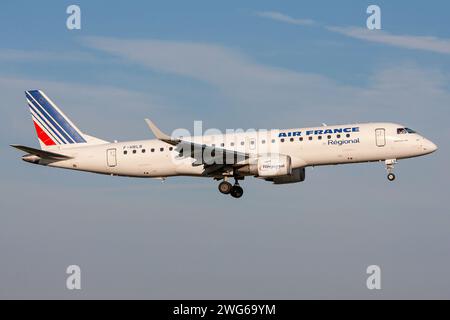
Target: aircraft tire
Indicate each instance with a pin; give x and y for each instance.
(391, 177)
(237, 192)
(225, 187)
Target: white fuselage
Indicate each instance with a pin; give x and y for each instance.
(329, 145)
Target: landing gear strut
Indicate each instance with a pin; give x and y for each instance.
(390, 168)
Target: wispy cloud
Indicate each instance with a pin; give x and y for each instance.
(17, 55)
(278, 16)
(426, 43)
(253, 88)
(110, 103)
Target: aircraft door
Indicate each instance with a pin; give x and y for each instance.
(111, 157)
(380, 137)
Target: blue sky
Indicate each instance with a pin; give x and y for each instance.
(232, 64)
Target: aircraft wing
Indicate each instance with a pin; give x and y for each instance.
(41, 153)
(203, 154)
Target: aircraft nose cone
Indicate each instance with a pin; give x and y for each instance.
(433, 147)
(429, 146)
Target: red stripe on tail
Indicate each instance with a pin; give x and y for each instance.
(43, 136)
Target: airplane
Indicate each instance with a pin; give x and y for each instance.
(278, 156)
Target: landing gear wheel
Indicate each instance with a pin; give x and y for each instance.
(236, 191)
(225, 187)
(390, 163)
(391, 177)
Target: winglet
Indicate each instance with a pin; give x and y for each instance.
(158, 133)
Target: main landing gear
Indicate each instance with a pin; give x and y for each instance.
(390, 168)
(227, 188)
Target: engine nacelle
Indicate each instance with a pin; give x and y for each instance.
(269, 166)
(274, 166)
(298, 175)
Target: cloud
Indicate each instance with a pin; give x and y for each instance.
(100, 110)
(234, 74)
(284, 18)
(426, 43)
(285, 97)
(16, 55)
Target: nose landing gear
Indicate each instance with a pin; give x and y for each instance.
(390, 168)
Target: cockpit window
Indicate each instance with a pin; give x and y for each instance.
(405, 131)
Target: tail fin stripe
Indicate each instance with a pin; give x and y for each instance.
(46, 104)
(50, 120)
(43, 136)
(43, 128)
(44, 121)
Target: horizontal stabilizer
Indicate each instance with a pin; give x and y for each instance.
(41, 153)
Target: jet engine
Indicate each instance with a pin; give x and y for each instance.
(269, 166)
(298, 175)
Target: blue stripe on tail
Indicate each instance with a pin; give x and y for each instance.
(69, 132)
(47, 121)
